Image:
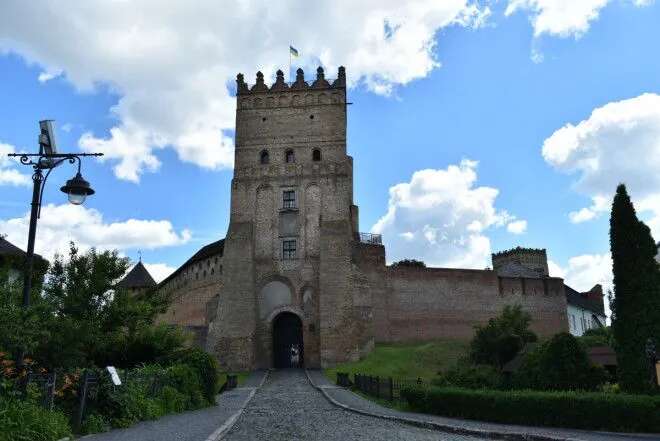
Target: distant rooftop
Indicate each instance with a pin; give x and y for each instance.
(9, 249)
(138, 277)
(584, 301)
(212, 249)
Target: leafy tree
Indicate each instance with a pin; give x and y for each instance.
(93, 321)
(19, 326)
(597, 337)
(502, 338)
(559, 364)
(410, 263)
(636, 302)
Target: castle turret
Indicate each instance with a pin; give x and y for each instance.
(521, 262)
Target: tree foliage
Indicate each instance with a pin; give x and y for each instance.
(81, 318)
(597, 337)
(559, 364)
(410, 263)
(636, 302)
(502, 338)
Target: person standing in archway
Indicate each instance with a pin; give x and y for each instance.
(295, 356)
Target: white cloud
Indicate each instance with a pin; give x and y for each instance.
(171, 62)
(440, 216)
(517, 227)
(159, 271)
(49, 75)
(60, 224)
(562, 18)
(8, 174)
(619, 142)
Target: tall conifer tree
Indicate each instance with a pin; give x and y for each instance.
(636, 303)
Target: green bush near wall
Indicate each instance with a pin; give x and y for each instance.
(205, 365)
(577, 410)
(23, 420)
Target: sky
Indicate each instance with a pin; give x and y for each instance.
(475, 126)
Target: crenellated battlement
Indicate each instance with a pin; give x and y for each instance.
(509, 261)
(243, 88)
(520, 251)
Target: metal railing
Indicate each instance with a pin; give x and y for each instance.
(369, 238)
(387, 388)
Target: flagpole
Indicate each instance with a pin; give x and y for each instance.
(290, 63)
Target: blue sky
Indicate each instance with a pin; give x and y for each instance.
(454, 128)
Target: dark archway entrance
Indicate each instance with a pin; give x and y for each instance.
(287, 334)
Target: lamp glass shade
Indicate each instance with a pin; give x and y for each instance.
(77, 199)
(77, 189)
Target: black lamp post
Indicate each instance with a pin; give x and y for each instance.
(76, 188)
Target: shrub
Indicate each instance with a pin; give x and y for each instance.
(147, 393)
(145, 345)
(594, 411)
(23, 420)
(206, 367)
(172, 400)
(470, 376)
(597, 337)
(95, 423)
(502, 338)
(559, 364)
(186, 380)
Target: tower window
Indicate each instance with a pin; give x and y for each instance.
(264, 157)
(288, 249)
(289, 199)
(290, 157)
(316, 155)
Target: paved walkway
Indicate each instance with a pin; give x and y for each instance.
(288, 408)
(196, 425)
(348, 398)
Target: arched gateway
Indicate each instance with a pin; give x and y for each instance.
(287, 339)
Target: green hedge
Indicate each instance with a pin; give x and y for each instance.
(23, 420)
(206, 367)
(149, 393)
(578, 410)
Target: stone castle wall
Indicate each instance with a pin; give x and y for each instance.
(259, 283)
(341, 289)
(411, 304)
(194, 293)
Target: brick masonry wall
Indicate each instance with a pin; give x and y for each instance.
(277, 120)
(439, 303)
(412, 304)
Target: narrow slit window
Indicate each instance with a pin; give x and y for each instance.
(288, 249)
(290, 157)
(316, 155)
(289, 199)
(264, 157)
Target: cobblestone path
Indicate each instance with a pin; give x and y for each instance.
(288, 408)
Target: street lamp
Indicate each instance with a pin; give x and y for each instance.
(77, 189)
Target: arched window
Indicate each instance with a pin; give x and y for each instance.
(264, 157)
(316, 155)
(289, 156)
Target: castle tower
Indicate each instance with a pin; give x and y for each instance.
(509, 262)
(287, 253)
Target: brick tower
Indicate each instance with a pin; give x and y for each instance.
(287, 253)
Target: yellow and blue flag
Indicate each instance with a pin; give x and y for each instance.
(293, 51)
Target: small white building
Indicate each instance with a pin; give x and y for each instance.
(586, 310)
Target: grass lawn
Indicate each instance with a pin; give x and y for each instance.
(405, 360)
